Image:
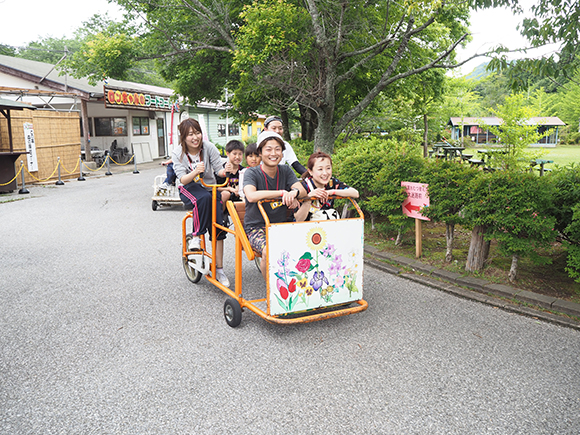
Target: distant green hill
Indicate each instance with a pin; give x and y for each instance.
(478, 73)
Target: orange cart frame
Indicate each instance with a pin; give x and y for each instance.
(196, 265)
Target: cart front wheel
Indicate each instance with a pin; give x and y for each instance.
(192, 274)
(154, 205)
(232, 312)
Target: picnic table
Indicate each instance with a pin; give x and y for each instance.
(447, 151)
(540, 162)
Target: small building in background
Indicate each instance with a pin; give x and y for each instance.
(115, 117)
(472, 128)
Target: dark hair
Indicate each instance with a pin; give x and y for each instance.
(234, 145)
(312, 160)
(184, 127)
(252, 148)
(269, 119)
(277, 139)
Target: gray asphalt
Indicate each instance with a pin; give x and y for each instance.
(103, 334)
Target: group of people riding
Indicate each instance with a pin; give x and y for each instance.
(269, 176)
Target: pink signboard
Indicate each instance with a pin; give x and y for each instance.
(417, 198)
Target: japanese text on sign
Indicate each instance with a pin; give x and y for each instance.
(417, 198)
(30, 147)
(131, 99)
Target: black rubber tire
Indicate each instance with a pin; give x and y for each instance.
(232, 312)
(154, 205)
(193, 275)
(257, 262)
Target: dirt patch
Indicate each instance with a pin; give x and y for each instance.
(549, 279)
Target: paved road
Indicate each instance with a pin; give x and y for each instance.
(103, 334)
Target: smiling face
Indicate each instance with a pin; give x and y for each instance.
(193, 141)
(271, 153)
(321, 171)
(236, 157)
(275, 126)
(253, 160)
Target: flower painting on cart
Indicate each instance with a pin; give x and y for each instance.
(314, 264)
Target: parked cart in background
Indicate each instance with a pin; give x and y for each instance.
(164, 195)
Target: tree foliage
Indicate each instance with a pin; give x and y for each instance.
(332, 59)
(552, 22)
(513, 208)
(515, 133)
(448, 182)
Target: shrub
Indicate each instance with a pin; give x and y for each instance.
(512, 207)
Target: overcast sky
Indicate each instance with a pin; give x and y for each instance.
(23, 21)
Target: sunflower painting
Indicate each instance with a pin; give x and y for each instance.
(314, 264)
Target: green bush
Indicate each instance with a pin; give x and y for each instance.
(303, 149)
(566, 211)
(514, 208)
(357, 164)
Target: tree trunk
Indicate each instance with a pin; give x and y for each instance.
(425, 136)
(285, 123)
(449, 230)
(308, 122)
(477, 247)
(372, 221)
(513, 269)
(399, 236)
(486, 248)
(323, 135)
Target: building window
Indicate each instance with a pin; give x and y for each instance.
(140, 126)
(234, 130)
(110, 126)
(221, 130)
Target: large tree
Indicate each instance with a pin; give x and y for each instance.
(336, 57)
(332, 58)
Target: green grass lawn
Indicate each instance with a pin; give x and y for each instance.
(562, 155)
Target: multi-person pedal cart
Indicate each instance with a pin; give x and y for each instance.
(315, 268)
(164, 195)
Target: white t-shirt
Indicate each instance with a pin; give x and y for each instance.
(289, 155)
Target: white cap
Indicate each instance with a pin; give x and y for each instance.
(268, 135)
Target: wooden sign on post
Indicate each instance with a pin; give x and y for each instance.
(417, 198)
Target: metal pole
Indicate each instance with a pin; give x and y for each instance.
(108, 167)
(24, 189)
(135, 162)
(81, 178)
(59, 182)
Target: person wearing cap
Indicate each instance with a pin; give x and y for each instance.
(270, 180)
(274, 123)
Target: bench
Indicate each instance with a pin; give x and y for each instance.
(475, 162)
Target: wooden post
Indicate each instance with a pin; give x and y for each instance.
(418, 238)
(86, 131)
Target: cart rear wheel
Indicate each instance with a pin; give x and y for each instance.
(154, 205)
(192, 274)
(232, 312)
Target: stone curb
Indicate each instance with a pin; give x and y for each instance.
(499, 295)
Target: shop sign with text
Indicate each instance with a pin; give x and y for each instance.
(128, 99)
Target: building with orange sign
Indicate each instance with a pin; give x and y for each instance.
(123, 118)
